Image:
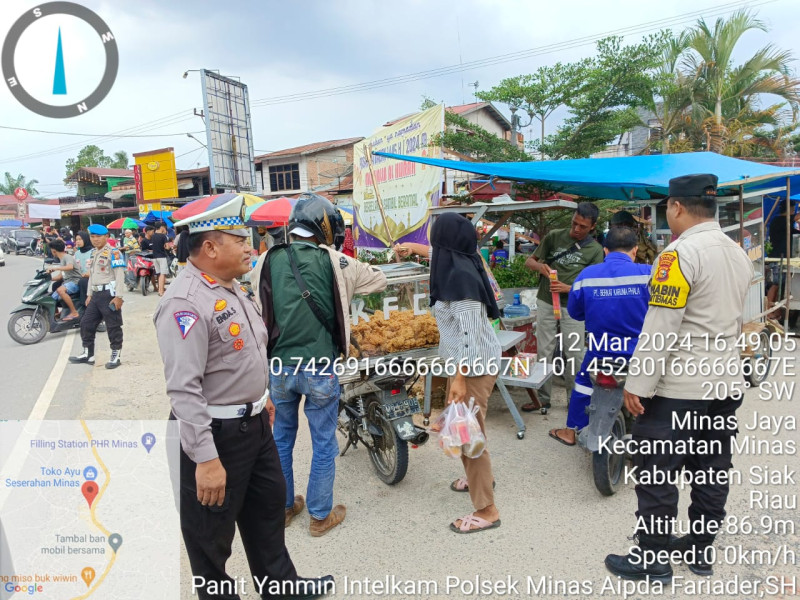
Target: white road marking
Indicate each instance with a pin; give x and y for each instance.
(51, 385)
(16, 459)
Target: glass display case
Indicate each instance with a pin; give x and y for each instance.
(397, 319)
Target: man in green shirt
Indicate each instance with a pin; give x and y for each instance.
(305, 307)
(568, 251)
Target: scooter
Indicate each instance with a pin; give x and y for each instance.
(377, 413)
(607, 418)
(141, 271)
(37, 315)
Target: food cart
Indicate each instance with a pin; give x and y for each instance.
(644, 180)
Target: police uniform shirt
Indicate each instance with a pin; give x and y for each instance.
(698, 286)
(107, 265)
(214, 347)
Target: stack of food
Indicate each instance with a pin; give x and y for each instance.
(403, 330)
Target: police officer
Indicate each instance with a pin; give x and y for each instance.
(103, 298)
(697, 291)
(214, 347)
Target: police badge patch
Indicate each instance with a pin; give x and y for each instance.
(186, 321)
(343, 264)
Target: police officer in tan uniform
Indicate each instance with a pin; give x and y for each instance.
(103, 298)
(698, 287)
(214, 347)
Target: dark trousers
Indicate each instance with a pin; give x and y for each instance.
(254, 499)
(97, 311)
(660, 502)
(83, 286)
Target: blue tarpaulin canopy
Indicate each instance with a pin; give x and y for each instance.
(11, 223)
(623, 178)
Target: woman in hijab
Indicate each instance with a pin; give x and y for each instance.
(83, 252)
(464, 303)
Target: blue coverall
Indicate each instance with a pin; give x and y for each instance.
(612, 298)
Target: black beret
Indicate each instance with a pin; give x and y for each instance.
(693, 185)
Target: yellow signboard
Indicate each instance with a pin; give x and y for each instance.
(159, 179)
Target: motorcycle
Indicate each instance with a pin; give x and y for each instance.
(141, 271)
(607, 418)
(377, 413)
(37, 315)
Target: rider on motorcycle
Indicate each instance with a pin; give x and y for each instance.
(612, 298)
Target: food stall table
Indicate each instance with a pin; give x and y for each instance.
(537, 377)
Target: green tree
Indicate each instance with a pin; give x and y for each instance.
(473, 140)
(12, 183)
(541, 93)
(615, 83)
(731, 95)
(93, 156)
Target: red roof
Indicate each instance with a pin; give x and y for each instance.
(11, 200)
(309, 148)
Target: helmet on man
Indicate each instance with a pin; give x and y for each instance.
(315, 216)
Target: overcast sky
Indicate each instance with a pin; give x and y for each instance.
(280, 48)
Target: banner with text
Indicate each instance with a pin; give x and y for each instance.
(407, 190)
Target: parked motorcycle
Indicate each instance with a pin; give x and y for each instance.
(377, 413)
(141, 271)
(37, 315)
(607, 418)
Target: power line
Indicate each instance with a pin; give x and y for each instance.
(99, 134)
(509, 57)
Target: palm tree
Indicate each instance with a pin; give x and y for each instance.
(721, 84)
(12, 183)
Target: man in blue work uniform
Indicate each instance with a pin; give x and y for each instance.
(612, 298)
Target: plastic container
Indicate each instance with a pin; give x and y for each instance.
(517, 309)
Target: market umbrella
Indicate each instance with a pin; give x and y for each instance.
(158, 215)
(272, 213)
(125, 223)
(201, 205)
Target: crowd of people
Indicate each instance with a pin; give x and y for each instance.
(239, 414)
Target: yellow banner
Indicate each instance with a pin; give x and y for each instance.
(407, 190)
(159, 178)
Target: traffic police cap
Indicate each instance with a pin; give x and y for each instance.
(228, 218)
(97, 229)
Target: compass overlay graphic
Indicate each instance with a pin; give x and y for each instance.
(59, 83)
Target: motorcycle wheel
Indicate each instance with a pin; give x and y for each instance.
(606, 467)
(389, 453)
(28, 252)
(25, 328)
(757, 367)
(145, 285)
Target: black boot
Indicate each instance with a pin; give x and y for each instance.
(693, 552)
(306, 588)
(87, 356)
(630, 566)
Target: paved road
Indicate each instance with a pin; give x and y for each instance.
(26, 369)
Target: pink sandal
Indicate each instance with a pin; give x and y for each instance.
(467, 521)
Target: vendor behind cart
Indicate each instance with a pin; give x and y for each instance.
(304, 290)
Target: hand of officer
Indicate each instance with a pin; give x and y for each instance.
(88, 299)
(117, 302)
(559, 287)
(632, 403)
(270, 408)
(210, 477)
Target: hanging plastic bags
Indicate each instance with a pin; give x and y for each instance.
(459, 430)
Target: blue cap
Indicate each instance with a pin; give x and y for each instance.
(97, 229)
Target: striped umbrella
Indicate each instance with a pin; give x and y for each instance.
(201, 205)
(125, 223)
(272, 213)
